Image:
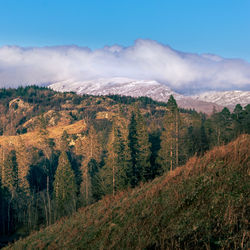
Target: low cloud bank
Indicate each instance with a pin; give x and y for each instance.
(146, 59)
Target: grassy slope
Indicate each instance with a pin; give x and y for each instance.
(201, 205)
(33, 138)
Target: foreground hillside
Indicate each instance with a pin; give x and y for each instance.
(201, 205)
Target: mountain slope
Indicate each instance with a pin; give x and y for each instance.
(117, 85)
(226, 98)
(134, 88)
(202, 205)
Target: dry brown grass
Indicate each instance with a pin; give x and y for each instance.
(202, 205)
(34, 139)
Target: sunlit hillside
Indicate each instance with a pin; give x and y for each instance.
(202, 205)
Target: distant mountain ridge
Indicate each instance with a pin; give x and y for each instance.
(225, 98)
(206, 102)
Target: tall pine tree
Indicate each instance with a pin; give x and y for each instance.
(24, 158)
(65, 186)
(238, 116)
(246, 119)
(168, 155)
(140, 149)
(10, 173)
(117, 163)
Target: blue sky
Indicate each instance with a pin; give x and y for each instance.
(202, 26)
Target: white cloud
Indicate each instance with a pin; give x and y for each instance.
(146, 59)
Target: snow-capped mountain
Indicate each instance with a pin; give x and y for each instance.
(227, 98)
(134, 88)
(204, 102)
(118, 85)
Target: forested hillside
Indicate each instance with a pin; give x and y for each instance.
(202, 205)
(62, 151)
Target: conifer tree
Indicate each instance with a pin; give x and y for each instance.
(191, 141)
(168, 155)
(225, 123)
(93, 172)
(238, 119)
(24, 161)
(221, 124)
(204, 145)
(46, 142)
(64, 145)
(3, 209)
(140, 149)
(246, 119)
(117, 162)
(10, 172)
(65, 186)
(89, 148)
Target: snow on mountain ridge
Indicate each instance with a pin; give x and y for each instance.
(116, 85)
(134, 88)
(204, 102)
(225, 98)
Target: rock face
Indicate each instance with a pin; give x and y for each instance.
(155, 90)
(18, 105)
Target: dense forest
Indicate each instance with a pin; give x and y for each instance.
(62, 151)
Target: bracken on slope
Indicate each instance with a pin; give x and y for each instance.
(202, 205)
